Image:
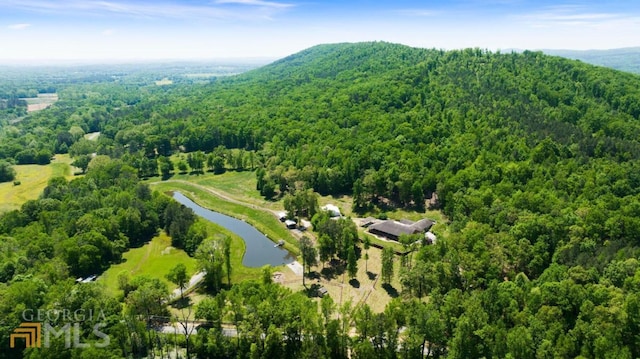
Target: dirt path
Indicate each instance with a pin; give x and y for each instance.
(194, 281)
(144, 259)
(228, 198)
(222, 195)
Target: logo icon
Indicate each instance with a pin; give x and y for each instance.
(30, 332)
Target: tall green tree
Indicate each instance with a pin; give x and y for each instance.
(308, 253)
(226, 251)
(387, 265)
(211, 260)
(7, 173)
(352, 263)
(366, 244)
(178, 275)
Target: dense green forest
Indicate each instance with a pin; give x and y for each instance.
(534, 160)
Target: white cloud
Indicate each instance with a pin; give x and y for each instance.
(568, 15)
(260, 9)
(18, 26)
(108, 32)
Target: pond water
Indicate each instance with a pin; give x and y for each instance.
(260, 249)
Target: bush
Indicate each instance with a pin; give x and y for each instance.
(16, 183)
(7, 173)
(43, 157)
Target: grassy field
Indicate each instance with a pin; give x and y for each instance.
(239, 184)
(157, 257)
(33, 179)
(41, 102)
(154, 259)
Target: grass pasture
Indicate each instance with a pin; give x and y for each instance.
(41, 102)
(33, 179)
(153, 259)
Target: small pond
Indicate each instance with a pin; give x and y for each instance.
(260, 249)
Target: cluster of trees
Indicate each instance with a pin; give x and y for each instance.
(340, 235)
(78, 228)
(302, 203)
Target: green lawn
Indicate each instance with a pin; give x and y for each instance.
(239, 184)
(154, 259)
(33, 179)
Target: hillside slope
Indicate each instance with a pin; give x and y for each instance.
(502, 138)
(534, 159)
(389, 99)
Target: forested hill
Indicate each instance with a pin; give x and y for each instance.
(393, 116)
(535, 160)
(537, 147)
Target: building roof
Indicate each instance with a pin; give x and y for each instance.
(366, 222)
(290, 223)
(332, 209)
(396, 229)
(423, 225)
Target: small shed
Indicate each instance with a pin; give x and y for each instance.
(430, 237)
(333, 210)
(322, 291)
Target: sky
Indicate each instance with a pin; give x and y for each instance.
(124, 30)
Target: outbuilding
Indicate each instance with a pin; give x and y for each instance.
(333, 210)
(392, 229)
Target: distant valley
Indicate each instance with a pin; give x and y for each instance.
(625, 59)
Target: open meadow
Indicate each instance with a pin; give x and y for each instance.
(33, 179)
(154, 259)
(41, 102)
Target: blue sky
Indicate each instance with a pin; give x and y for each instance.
(39, 30)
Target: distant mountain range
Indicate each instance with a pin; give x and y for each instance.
(625, 59)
